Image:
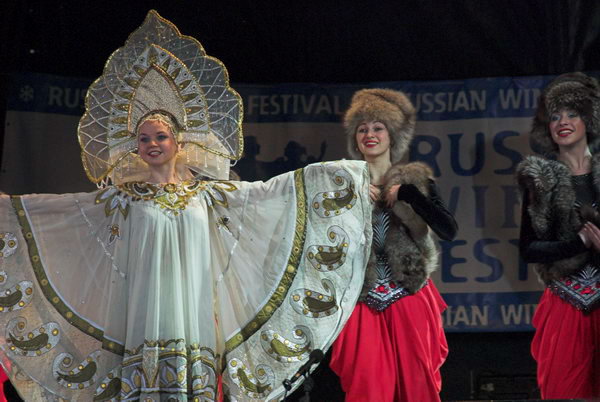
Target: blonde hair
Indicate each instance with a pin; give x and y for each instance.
(164, 117)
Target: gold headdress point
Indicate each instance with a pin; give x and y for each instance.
(158, 69)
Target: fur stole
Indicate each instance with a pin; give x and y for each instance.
(410, 249)
(551, 208)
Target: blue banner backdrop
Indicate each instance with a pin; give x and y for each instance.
(471, 132)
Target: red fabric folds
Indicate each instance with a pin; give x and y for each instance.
(396, 354)
(3, 379)
(566, 347)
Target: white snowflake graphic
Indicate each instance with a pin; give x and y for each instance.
(26, 93)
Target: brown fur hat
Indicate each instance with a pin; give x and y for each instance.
(392, 108)
(575, 91)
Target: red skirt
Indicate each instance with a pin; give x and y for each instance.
(566, 347)
(3, 379)
(396, 354)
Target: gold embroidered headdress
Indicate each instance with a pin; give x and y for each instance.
(161, 70)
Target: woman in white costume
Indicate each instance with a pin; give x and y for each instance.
(170, 277)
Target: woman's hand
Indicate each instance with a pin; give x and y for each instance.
(374, 192)
(392, 196)
(590, 234)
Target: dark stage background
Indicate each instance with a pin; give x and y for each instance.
(329, 41)
(336, 42)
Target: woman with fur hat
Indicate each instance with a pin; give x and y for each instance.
(393, 345)
(560, 235)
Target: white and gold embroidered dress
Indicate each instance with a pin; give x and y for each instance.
(152, 292)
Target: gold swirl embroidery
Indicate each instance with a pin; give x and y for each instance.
(114, 233)
(172, 197)
(17, 297)
(10, 300)
(334, 203)
(256, 385)
(33, 343)
(48, 290)
(317, 305)
(217, 191)
(314, 304)
(286, 350)
(110, 386)
(169, 365)
(113, 201)
(8, 244)
(253, 387)
(339, 202)
(294, 260)
(76, 376)
(81, 376)
(328, 258)
(163, 344)
(175, 197)
(108, 390)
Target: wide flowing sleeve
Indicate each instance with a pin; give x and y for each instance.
(56, 259)
(112, 296)
(293, 253)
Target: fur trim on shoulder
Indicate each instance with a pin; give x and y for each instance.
(416, 173)
(551, 197)
(411, 260)
(539, 176)
(412, 264)
(551, 209)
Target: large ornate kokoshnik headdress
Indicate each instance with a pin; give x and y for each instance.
(160, 70)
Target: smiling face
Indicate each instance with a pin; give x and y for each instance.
(156, 143)
(567, 128)
(373, 140)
